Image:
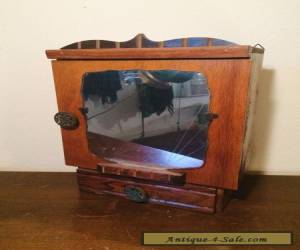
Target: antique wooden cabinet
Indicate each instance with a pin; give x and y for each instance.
(160, 122)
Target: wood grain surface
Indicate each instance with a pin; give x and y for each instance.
(142, 47)
(45, 211)
(228, 82)
(141, 41)
(192, 197)
(142, 172)
(153, 53)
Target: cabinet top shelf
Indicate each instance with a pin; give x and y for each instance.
(141, 47)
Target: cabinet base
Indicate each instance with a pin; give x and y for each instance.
(193, 197)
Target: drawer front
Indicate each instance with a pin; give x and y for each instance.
(186, 196)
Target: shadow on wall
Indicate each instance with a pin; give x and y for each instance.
(262, 124)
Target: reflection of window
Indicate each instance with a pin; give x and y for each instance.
(197, 86)
(157, 108)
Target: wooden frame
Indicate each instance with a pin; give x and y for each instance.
(230, 75)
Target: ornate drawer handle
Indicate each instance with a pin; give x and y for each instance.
(206, 118)
(136, 194)
(66, 120)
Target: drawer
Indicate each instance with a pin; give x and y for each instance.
(185, 196)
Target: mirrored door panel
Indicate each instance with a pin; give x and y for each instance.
(148, 116)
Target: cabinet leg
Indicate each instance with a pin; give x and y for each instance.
(223, 198)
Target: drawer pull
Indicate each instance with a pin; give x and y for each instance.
(136, 194)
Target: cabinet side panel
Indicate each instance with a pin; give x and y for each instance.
(256, 67)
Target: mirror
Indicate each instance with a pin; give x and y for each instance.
(149, 116)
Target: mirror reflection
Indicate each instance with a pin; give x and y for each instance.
(149, 116)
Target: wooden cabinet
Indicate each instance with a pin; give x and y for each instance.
(156, 104)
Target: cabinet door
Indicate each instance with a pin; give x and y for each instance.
(227, 82)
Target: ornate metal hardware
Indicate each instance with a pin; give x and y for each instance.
(136, 194)
(211, 116)
(66, 120)
(206, 118)
(84, 110)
